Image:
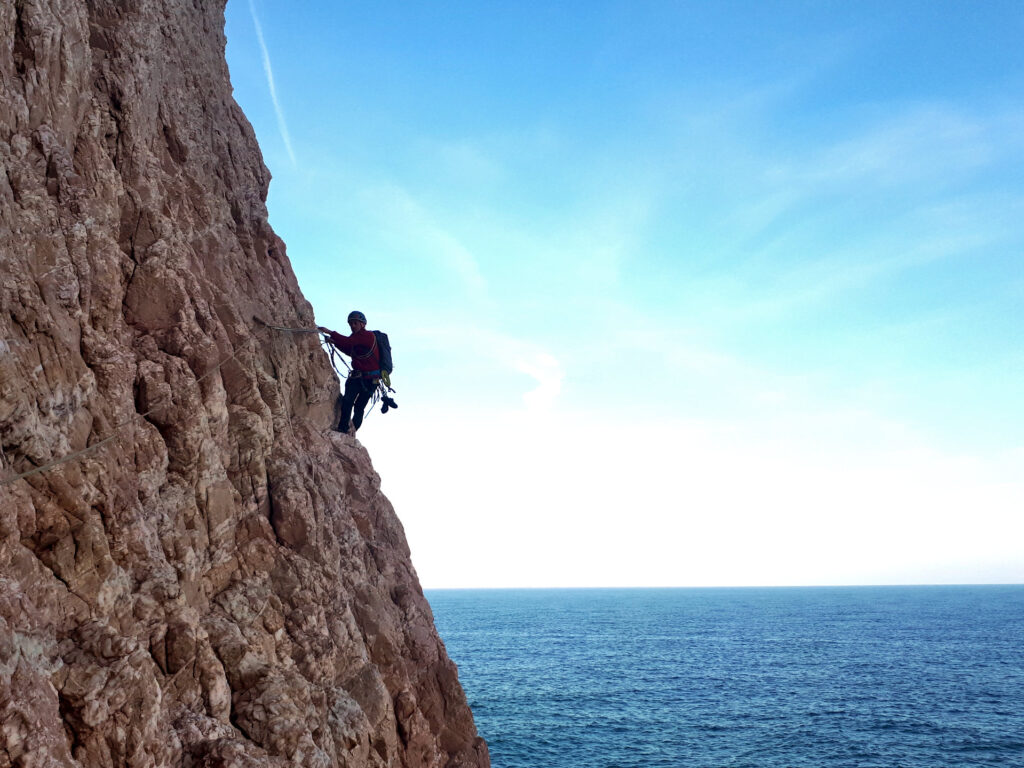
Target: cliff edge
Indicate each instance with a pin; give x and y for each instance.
(215, 578)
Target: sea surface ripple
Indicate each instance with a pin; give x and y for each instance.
(824, 677)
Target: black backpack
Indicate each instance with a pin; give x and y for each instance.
(384, 351)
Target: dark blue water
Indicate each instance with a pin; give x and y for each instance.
(846, 677)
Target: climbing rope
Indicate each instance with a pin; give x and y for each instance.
(379, 392)
(330, 347)
(286, 330)
(112, 436)
(335, 357)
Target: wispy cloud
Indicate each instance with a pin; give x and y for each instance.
(547, 371)
(417, 229)
(466, 161)
(923, 144)
(480, 348)
(909, 191)
(281, 124)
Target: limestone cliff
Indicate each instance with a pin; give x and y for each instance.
(215, 578)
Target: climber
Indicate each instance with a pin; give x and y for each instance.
(362, 381)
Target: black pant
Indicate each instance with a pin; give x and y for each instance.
(358, 392)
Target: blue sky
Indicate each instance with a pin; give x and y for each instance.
(679, 293)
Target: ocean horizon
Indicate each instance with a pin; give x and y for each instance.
(873, 676)
(429, 590)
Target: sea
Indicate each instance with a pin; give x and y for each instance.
(822, 677)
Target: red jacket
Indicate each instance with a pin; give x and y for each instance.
(361, 346)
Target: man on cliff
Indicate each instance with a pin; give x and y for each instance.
(361, 346)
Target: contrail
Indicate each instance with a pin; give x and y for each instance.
(281, 124)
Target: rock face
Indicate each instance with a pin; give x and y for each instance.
(214, 579)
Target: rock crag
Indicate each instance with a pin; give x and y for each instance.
(215, 578)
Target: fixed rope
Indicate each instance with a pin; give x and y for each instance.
(76, 454)
(286, 330)
(330, 347)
